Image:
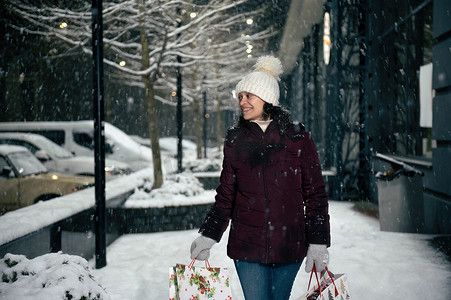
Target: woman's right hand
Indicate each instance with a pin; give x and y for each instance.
(200, 248)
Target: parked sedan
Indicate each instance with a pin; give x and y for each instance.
(24, 180)
(56, 158)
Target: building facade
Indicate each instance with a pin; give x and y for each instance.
(356, 87)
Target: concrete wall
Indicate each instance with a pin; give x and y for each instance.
(76, 235)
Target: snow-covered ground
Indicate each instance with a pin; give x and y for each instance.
(379, 265)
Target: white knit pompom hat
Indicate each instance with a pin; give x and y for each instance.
(263, 81)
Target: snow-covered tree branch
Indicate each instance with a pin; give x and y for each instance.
(143, 39)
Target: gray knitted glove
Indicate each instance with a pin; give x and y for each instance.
(200, 248)
(318, 255)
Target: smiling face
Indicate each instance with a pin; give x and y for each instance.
(251, 106)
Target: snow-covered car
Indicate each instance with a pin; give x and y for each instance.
(57, 159)
(78, 138)
(24, 180)
(168, 144)
(168, 150)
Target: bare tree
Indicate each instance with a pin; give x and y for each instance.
(142, 40)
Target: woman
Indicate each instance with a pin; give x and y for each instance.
(272, 190)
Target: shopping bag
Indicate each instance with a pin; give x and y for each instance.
(191, 282)
(329, 287)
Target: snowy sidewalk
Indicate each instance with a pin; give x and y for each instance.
(379, 265)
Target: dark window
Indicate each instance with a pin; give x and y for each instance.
(84, 139)
(27, 145)
(3, 162)
(57, 136)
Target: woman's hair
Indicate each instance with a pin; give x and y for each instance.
(268, 111)
(277, 113)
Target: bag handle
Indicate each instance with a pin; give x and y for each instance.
(319, 285)
(317, 280)
(207, 264)
(332, 278)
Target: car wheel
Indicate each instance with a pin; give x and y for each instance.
(46, 197)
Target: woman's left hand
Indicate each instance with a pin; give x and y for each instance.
(318, 255)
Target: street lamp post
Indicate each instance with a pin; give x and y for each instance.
(99, 138)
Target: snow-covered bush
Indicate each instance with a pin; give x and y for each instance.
(177, 189)
(176, 184)
(50, 276)
(211, 164)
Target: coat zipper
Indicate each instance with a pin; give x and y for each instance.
(266, 200)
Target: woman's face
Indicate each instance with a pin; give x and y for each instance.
(251, 106)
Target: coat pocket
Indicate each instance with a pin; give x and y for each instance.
(287, 174)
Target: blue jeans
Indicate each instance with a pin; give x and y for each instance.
(266, 281)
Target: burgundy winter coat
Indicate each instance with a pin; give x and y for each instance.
(272, 189)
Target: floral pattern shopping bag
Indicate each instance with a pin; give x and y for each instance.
(195, 283)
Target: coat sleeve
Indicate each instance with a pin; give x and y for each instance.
(218, 217)
(314, 195)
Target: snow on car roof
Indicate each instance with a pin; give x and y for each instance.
(7, 149)
(29, 135)
(52, 149)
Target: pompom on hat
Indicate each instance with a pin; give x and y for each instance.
(263, 81)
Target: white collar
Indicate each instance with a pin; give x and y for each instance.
(262, 123)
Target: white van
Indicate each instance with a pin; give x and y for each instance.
(78, 137)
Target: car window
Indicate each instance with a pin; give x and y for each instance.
(26, 163)
(27, 145)
(57, 136)
(3, 163)
(84, 139)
